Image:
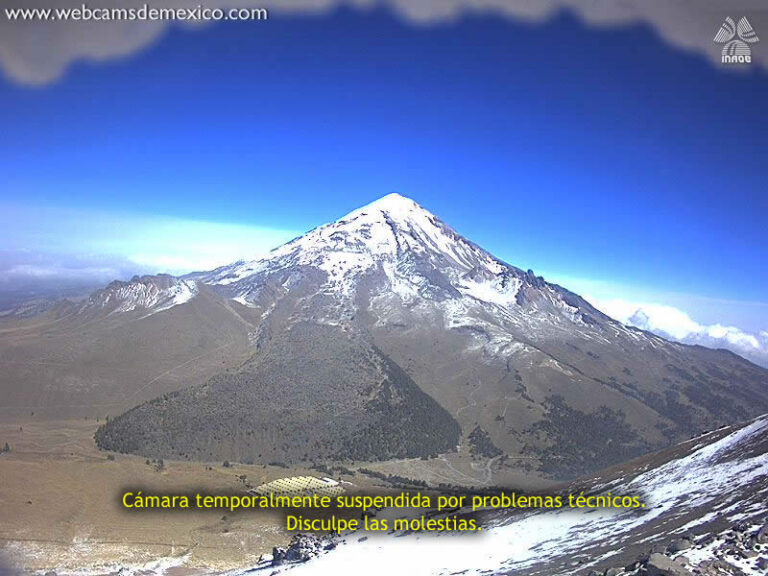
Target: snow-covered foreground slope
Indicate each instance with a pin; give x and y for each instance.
(704, 486)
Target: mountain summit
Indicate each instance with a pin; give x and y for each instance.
(386, 334)
(391, 230)
(414, 253)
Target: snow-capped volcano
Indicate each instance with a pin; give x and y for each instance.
(386, 334)
(419, 256)
(386, 231)
(389, 302)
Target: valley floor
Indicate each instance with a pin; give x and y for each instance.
(60, 503)
(60, 506)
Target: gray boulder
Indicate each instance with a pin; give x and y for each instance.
(301, 548)
(680, 544)
(660, 565)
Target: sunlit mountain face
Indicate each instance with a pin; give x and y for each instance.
(499, 362)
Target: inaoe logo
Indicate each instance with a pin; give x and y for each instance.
(736, 50)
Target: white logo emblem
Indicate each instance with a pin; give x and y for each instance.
(736, 50)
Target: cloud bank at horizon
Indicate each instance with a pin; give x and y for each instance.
(61, 244)
(675, 324)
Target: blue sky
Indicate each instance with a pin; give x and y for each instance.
(604, 158)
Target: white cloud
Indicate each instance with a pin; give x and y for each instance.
(40, 52)
(45, 272)
(72, 244)
(181, 246)
(675, 324)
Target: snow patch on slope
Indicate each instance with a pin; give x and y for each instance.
(151, 293)
(705, 477)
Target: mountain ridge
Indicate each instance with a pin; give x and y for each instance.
(508, 355)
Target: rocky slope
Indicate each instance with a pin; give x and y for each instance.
(125, 344)
(311, 393)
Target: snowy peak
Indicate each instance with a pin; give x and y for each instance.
(386, 227)
(411, 254)
(393, 233)
(394, 205)
(142, 293)
(395, 219)
(395, 224)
